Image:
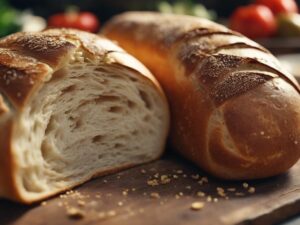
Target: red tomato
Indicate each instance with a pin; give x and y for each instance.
(79, 20)
(280, 6)
(254, 21)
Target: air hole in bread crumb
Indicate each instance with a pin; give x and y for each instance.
(71, 118)
(131, 104)
(133, 79)
(68, 89)
(118, 145)
(134, 133)
(35, 127)
(145, 99)
(45, 150)
(115, 109)
(78, 123)
(106, 98)
(101, 69)
(147, 118)
(97, 139)
(51, 125)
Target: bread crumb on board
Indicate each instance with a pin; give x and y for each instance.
(153, 182)
(245, 185)
(81, 203)
(164, 179)
(78, 205)
(251, 190)
(44, 203)
(197, 206)
(155, 195)
(201, 194)
(75, 213)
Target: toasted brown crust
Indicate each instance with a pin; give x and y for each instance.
(233, 108)
(27, 60)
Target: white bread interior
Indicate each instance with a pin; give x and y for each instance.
(88, 119)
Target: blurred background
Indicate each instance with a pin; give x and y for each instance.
(105, 8)
(14, 13)
(273, 23)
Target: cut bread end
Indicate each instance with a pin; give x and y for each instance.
(89, 119)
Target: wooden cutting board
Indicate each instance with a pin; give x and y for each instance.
(162, 192)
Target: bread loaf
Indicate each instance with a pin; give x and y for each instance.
(73, 106)
(234, 111)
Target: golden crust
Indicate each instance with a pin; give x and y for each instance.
(20, 76)
(47, 48)
(223, 89)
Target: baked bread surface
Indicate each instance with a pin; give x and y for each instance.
(235, 112)
(73, 106)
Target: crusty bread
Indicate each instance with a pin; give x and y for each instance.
(73, 106)
(234, 111)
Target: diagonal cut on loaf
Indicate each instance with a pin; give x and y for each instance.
(73, 106)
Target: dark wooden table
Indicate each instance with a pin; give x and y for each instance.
(163, 192)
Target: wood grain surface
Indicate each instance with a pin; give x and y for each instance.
(163, 192)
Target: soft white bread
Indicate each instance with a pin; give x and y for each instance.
(234, 112)
(73, 106)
